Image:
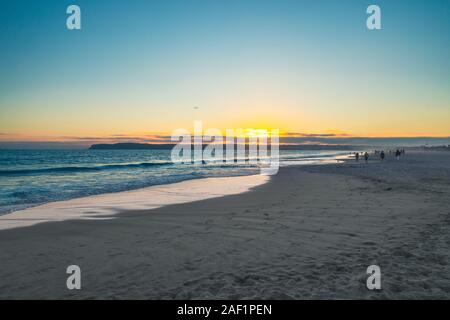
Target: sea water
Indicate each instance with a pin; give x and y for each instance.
(33, 177)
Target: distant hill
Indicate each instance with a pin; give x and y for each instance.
(130, 146)
(149, 146)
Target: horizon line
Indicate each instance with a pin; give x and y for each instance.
(315, 141)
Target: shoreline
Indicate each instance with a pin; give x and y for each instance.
(33, 199)
(107, 205)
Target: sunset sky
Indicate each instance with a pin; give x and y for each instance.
(144, 68)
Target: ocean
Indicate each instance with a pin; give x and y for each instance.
(33, 177)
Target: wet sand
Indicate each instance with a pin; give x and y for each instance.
(106, 206)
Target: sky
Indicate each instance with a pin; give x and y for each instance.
(141, 69)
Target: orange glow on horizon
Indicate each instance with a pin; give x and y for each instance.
(164, 137)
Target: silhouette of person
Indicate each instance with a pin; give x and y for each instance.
(366, 156)
(382, 155)
(357, 156)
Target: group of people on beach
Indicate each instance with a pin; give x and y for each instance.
(365, 155)
(381, 153)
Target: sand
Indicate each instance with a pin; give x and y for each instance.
(310, 232)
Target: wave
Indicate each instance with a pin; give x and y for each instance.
(310, 156)
(75, 169)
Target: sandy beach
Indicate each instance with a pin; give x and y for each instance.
(310, 232)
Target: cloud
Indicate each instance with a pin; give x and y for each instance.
(318, 135)
(290, 138)
(116, 138)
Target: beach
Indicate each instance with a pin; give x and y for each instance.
(310, 232)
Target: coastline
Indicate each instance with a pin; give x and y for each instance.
(42, 177)
(309, 232)
(107, 205)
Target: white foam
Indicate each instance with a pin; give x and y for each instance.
(105, 205)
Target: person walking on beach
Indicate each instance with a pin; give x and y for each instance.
(366, 156)
(397, 154)
(357, 156)
(382, 155)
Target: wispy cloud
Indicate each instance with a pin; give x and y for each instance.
(293, 138)
(147, 138)
(318, 135)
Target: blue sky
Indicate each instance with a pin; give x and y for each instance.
(305, 66)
